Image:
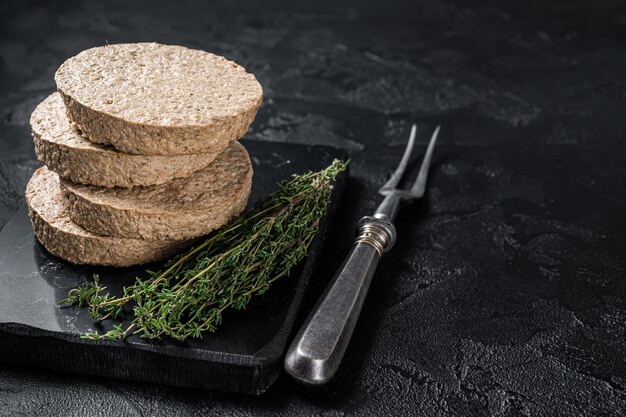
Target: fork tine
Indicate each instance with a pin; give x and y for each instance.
(397, 175)
(419, 186)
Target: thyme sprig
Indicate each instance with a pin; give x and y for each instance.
(188, 297)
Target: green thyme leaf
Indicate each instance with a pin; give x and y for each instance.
(243, 259)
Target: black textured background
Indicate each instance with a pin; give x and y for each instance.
(506, 293)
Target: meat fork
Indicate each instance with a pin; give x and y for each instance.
(319, 346)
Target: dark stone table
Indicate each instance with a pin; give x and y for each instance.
(505, 295)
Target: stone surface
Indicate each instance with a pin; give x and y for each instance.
(505, 294)
(244, 356)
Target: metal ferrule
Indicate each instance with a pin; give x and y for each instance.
(378, 233)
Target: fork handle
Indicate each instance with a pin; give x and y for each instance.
(319, 346)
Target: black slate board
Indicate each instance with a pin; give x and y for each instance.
(244, 355)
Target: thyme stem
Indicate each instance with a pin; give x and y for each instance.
(243, 259)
